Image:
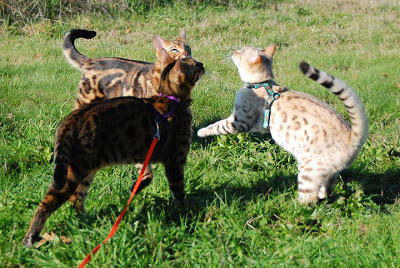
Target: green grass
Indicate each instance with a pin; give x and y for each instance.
(241, 189)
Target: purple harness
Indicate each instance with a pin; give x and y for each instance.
(172, 111)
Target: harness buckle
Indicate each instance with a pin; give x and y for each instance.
(273, 97)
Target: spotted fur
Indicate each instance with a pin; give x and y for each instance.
(322, 142)
(119, 131)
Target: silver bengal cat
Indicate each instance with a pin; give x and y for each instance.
(322, 142)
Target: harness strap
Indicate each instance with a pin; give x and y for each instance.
(175, 99)
(272, 96)
(168, 114)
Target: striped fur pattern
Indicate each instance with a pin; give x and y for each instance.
(119, 131)
(105, 78)
(322, 142)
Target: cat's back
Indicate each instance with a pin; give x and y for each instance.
(299, 120)
(112, 131)
(104, 64)
(300, 104)
(114, 110)
(108, 117)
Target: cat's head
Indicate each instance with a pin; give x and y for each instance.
(254, 64)
(178, 77)
(176, 49)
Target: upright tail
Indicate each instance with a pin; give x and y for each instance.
(358, 116)
(75, 58)
(62, 152)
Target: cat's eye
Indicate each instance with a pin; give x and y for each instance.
(174, 50)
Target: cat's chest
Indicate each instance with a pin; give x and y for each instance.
(250, 99)
(249, 107)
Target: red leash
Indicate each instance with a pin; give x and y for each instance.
(117, 222)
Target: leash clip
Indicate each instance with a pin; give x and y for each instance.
(157, 135)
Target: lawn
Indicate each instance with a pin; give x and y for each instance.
(241, 189)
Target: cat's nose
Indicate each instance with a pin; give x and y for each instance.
(184, 55)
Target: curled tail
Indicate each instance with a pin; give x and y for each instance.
(62, 152)
(76, 59)
(358, 116)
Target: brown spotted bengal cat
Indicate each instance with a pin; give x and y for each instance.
(105, 78)
(118, 131)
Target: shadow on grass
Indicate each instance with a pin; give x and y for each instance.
(197, 201)
(196, 127)
(383, 187)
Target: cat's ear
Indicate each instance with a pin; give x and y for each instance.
(159, 42)
(177, 66)
(270, 50)
(255, 58)
(165, 59)
(182, 35)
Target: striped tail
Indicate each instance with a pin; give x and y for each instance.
(62, 153)
(358, 116)
(76, 59)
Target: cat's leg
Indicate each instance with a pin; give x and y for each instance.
(222, 127)
(147, 177)
(327, 186)
(314, 183)
(79, 196)
(51, 201)
(309, 182)
(174, 170)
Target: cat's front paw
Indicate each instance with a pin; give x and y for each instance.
(202, 132)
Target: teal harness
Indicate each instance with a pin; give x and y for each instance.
(272, 96)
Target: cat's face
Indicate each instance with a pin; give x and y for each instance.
(177, 49)
(254, 64)
(188, 70)
(179, 76)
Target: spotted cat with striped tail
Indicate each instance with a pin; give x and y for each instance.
(322, 142)
(120, 131)
(106, 78)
